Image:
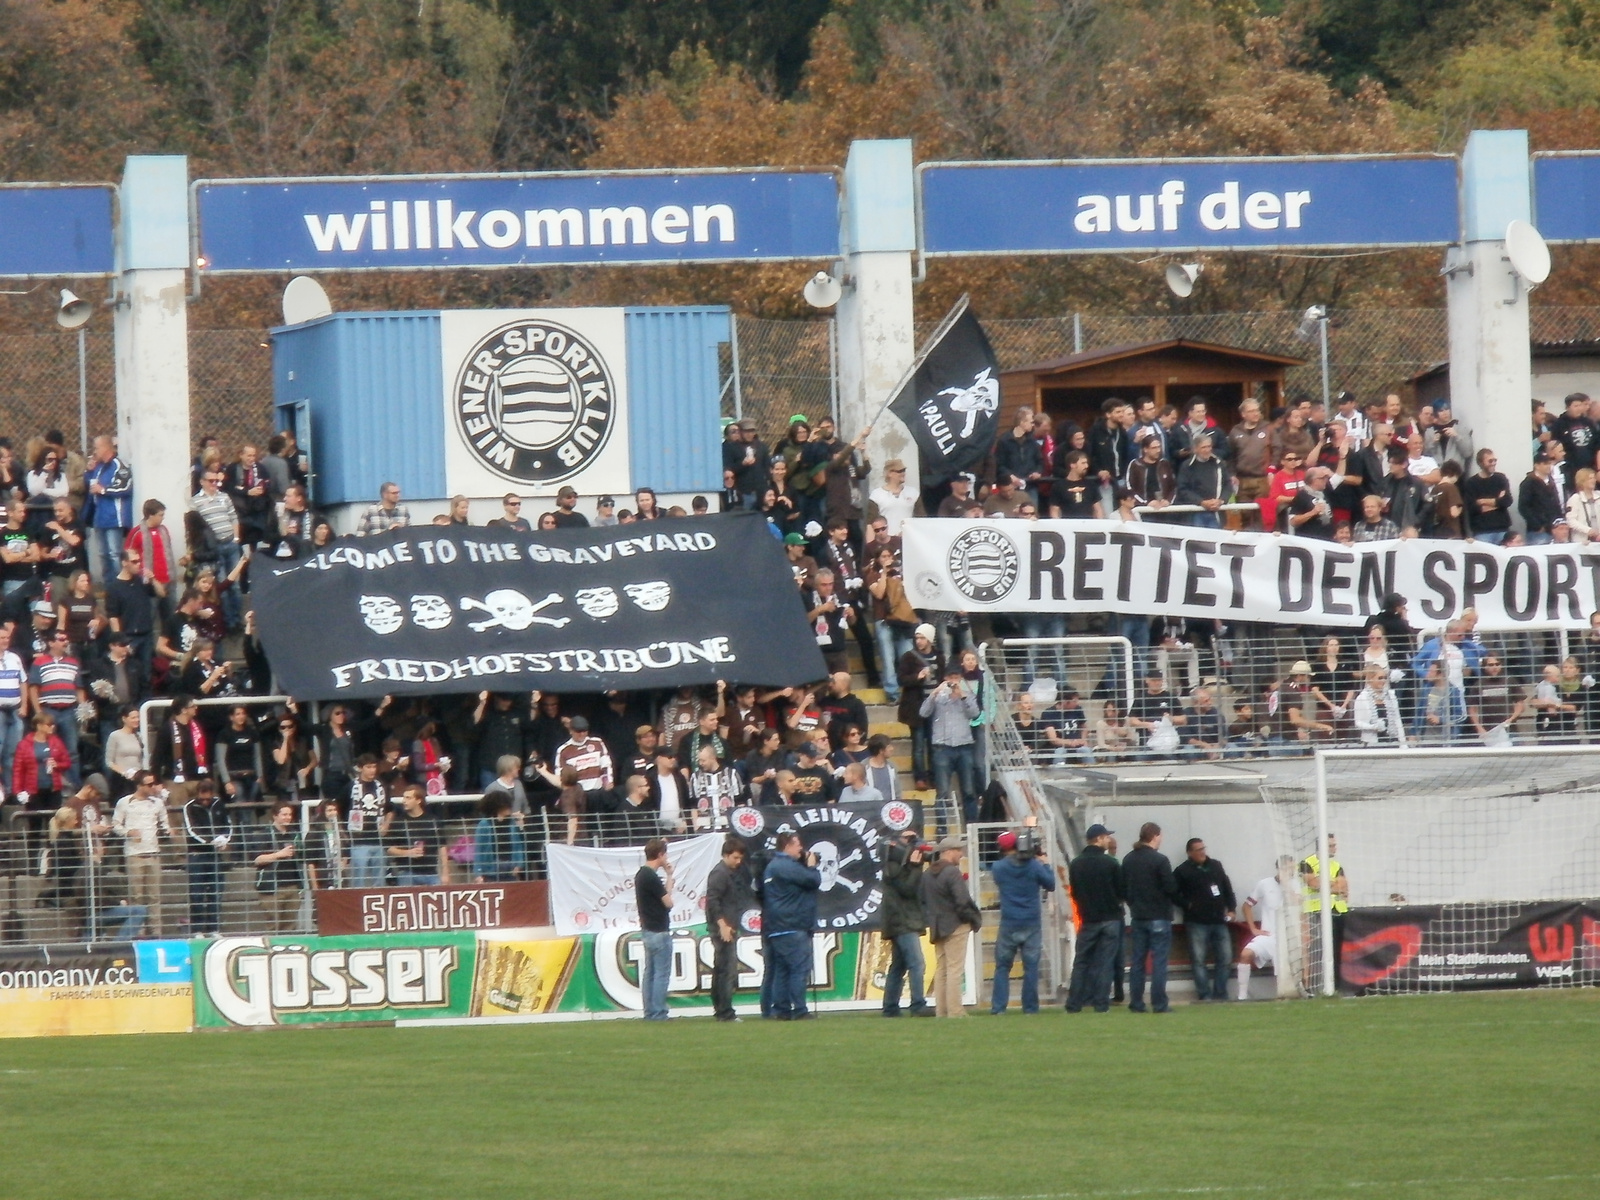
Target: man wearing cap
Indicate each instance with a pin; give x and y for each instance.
(788, 918)
(1538, 502)
(893, 500)
(567, 516)
(1020, 879)
(918, 670)
(511, 515)
(1097, 894)
(952, 919)
(955, 504)
(605, 510)
(814, 782)
(750, 471)
(801, 563)
(586, 755)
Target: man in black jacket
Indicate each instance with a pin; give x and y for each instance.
(1098, 891)
(903, 925)
(1538, 502)
(1206, 897)
(729, 895)
(207, 833)
(1147, 875)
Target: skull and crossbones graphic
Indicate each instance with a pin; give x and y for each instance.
(510, 609)
(829, 864)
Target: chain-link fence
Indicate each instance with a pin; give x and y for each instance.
(784, 368)
(230, 384)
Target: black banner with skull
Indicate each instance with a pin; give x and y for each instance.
(952, 403)
(849, 841)
(438, 609)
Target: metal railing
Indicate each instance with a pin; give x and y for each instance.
(1548, 682)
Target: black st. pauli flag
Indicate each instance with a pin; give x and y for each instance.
(951, 403)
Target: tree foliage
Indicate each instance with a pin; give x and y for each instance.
(250, 87)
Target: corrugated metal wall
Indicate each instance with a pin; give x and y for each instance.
(373, 384)
(674, 411)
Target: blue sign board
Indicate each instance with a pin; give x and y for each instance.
(1097, 207)
(56, 230)
(1566, 197)
(515, 220)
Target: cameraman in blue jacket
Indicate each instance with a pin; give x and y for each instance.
(1022, 877)
(788, 917)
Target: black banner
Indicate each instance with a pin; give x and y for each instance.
(1468, 946)
(952, 403)
(849, 842)
(435, 608)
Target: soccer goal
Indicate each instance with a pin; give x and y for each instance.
(1455, 868)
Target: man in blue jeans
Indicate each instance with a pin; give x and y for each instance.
(949, 711)
(1019, 876)
(652, 891)
(1151, 893)
(788, 917)
(1095, 878)
(1206, 896)
(903, 924)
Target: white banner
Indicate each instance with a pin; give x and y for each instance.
(592, 890)
(535, 400)
(1013, 566)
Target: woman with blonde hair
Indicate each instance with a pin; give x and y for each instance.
(1583, 507)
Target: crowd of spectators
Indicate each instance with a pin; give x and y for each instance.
(102, 608)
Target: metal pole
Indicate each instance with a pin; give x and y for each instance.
(83, 393)
(1322, 325)
(833, 369)
(1324, 883)
(1077, 333)
(733, 349)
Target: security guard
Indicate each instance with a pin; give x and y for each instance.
(1338, 895)
(1338, 885)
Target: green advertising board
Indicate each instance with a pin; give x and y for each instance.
(259, 982)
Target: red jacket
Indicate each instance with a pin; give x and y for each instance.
(25, 767)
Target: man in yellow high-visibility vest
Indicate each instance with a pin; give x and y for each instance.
(1338, 896)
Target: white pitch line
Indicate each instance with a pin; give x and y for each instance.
(1354, 1184)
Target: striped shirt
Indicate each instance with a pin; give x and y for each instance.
(12, 677)
(56, 679)
(217, 511)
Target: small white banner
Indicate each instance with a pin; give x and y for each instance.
(592, 890)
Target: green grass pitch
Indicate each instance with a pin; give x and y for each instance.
(1469, 1096)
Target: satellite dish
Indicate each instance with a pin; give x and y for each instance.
(1181, 277)
(1529, 255)
(822, 290)
(72, 311)
(304, 300)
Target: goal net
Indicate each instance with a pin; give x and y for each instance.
(1452, 868)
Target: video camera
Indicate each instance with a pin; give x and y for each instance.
(1028, 842)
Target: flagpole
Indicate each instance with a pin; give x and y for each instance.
(928, 348)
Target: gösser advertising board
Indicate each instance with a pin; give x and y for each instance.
(260, 982)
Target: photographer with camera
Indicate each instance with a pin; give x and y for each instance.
(954, 918)
(1019, 876)
(903, 923)
(788, 916)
